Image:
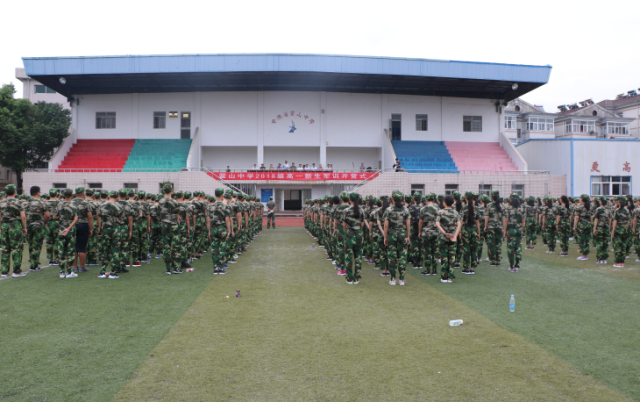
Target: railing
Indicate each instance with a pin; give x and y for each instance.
(188, 169)
(367, 180)
(446, 171)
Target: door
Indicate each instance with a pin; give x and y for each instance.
(185, 125)
(396, 127)
(292, 200)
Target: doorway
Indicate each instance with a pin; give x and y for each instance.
(185, 125)
(396, 127)
(292, 200)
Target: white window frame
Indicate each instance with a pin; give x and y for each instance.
(450, 188)
(159, 120)
(510, 122)
(422, 122)
(475, 124)
(519, 191)
(580, 126)
(615, 128)
(603, 185)
(485, 189)
(539, 124)
(105, 120)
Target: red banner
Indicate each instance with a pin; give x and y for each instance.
(309, 176)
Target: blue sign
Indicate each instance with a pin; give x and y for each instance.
(292, 127)
(265, 194)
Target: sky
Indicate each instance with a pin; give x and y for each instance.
(592, 46)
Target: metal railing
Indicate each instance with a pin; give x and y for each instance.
(466, 171)
(187, 169)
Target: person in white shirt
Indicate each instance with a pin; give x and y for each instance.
(306, 167)
(255, 167)
(313, 166)
(330, 167)
(362, 167)
(300, 167)
(320, 167)
(286, 165)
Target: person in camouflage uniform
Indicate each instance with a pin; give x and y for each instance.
(93, 198)
(429, 236)
(352, 224)
(12, 231)
(582, 226)
(631, 208)
(414, 210)
(155, 244)
(449, 224)
(112, 224)
(183, 229)
(340, 233)
(620, 230)
(397, 238)
(549, 224)
(130, 214)
(84, 229)
(133, 243)
(493, 227)
(37, 218)
(601, 232)
(514, 219)
(66, 214)
(562, 215)
(531, 211)
(482, 207)
(104, 197)
(144, 228)
(168, 215)
(469, 234)
(52, 228)
(636, 229)
(219, 227)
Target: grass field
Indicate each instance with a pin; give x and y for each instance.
(300, 333)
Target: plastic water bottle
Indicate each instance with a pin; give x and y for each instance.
(190, 269)
(512, 304)
(149, 258)
(455, 323)
(313, 246)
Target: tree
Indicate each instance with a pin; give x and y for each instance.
(29, 134)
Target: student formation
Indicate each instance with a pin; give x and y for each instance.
(120, 229)
(450, 231)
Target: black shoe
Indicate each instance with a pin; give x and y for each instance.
(168, 272)
(221, 271)
(84, 269)
(466, 271)
(177, 271)
(216, 271)
(185, 265)
(425, 273)
(76, 270)
(123, 271)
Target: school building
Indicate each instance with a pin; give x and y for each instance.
(202, 121)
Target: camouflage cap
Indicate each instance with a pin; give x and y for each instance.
(585, 197)
(167, 188)
(396, 196)
(89, 191)
(68, 192)
(431, 197)
(485, 198)
(230, 191)
(151, 197)
(219, 192)
(621, 198)
(532, 198)
(456, 195)
(514, 196)
(45, 196)
(113, 194)
(131, 192)
(179, 194)
(10, 188)
(468, 194)
(53, 192)
(2, 194)
(344, 195)
(495, 193)
(227, 195)
(441, 197)
(26, 197)
(79, 190)
(187, 194)
(123, 192)
(407, 198)
(142, 193)
(603, 198)
(417, 196)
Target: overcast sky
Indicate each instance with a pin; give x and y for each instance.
(592, 46)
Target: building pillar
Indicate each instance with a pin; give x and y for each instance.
(260, 129)
(135, 115)
(323, 128)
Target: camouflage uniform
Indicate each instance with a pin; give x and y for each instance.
(448, 218)
(430, 238)
(170, 231)
(339, 217)
(114, 228)
(414, 248)
(469, 239)
(494, 232)
(397, 238)
(353, 243)
(92, 247)
(155, 238)
(550, 227)
(620, 240)
(11, 235)
(36, 229)
(129, 211)
(531, 225)
(514, 217)
(483, 235)
(217, 213)
(602, 232)
(53, 227)
(564, 227)
(65, 245)
(583, 226)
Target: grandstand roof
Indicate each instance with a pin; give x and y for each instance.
(284, 72)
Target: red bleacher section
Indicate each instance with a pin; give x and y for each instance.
(97, 155)
(480, 157)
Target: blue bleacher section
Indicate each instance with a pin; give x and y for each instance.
(424, 155)
(158, 155)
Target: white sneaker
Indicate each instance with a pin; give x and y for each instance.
(102, 276)
(235, 256)
(62, 275)
(445, 280)
(356, 282)
(401, 283)
(393, 283)
(333, 262)
(14, 275)
(349, 283)
(604, 262)
(486, 259)
(72, 275)
(637, 259)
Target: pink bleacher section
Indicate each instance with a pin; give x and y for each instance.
(476, 157)
(97, 155)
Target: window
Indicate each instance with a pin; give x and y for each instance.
(518, 189)
(8, 174)
(95, 185)
(450, 188)
(517, 108)
(59, 185)
(105, 120)
(131, 185)
(616, 128)
(395, 126)
(539, 124)
(422, 122)
(484, 189)
(173, 115)
(513, 140)
(610, 185)
(417, 188)
(472, 124)
(159, 119)
(580, 126)
(41, 89)
(510, 122)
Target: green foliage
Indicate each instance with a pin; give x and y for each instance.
(29, 133)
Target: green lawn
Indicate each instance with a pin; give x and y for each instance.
(300, 333)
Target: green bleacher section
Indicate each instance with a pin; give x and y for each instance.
(158, 155)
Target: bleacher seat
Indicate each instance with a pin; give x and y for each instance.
(480, 157)
(158, 155)
(424, 157)
(97, 155)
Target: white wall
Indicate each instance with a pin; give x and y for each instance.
(611, 155)
(307, 132)
(553, 155)
(453, 110)
(299, 155)
(408, 107)
(353, 120)
(218, 158)
(345, 158)
(229, 118)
